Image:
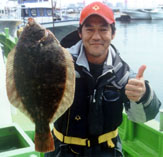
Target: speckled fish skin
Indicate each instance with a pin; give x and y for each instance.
(40, 80)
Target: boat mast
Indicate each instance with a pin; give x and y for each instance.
(125, 4)
(53, 4)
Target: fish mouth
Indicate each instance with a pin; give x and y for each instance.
(31, 21)
(47, 33)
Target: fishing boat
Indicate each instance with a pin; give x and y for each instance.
(137, 14)
(155, 13)
(10, 16)
(42, 12)
(48, 15)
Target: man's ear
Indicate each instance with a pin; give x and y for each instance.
(113, 35)
(79, 34)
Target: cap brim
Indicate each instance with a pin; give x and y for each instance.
(107, 20)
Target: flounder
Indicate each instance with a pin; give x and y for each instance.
(40, 80)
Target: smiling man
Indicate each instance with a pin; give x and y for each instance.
(104, 85)
(96, 35)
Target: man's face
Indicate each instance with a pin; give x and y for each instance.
(96, 35)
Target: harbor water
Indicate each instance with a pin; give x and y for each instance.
(140, 42)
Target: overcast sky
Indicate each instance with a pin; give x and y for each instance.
(131, 3)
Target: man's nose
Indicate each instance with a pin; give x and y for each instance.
(96, 35)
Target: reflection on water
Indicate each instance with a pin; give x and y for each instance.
(140, 42)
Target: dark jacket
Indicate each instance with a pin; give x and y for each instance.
(98, 105)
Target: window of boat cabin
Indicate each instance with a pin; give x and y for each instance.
(1, 12)
(49, 12)
(34, 12)
(27, 1)
(41, 11)
(22, 1)
(25, 13)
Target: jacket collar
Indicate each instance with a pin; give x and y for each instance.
(78, 51)
(113, 64)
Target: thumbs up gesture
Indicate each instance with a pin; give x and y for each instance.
(135, 88)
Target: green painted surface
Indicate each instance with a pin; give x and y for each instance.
(140, 140)
(7, 41)
(15, 142)
(31, 134)
(161, 120)
(11, 139)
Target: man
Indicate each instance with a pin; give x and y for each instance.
(104, 84)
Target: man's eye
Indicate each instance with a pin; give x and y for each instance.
(89, 30)
(103, 30)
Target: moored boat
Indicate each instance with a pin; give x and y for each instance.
(10, 16)
(156, 13)
(137, 14)
(49, 16)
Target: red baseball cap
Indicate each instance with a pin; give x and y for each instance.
(97, 8)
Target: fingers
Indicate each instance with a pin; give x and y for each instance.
(141, 71)
(135, 89)
(134, 92)
(131, 89)
(135, 82)
(133, 98)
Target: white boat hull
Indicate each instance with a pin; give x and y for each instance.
(137, 15)
(12, 24)
(157, 16)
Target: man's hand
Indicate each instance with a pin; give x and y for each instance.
(135, 88)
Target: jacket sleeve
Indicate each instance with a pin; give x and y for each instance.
(146, 109)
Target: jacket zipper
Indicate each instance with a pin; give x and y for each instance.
(93, 96)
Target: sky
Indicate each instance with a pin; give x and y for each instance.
(131, 3)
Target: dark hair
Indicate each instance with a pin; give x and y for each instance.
(112, 27)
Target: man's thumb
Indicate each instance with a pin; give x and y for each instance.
(141, 71)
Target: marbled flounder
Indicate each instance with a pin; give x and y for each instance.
(40, 80)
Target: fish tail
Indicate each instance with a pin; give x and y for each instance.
(44, 142)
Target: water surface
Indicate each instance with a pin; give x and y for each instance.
(141, 42)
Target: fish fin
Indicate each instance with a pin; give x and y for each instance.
(44, 142)
(68, 95)
(12, 93)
